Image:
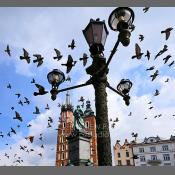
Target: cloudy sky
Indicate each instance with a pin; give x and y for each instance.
(40, 30)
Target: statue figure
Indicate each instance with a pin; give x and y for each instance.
(78, 119)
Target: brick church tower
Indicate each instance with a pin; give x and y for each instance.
(65, 128)
(90, 124)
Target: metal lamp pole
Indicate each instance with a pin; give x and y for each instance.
(96, 33)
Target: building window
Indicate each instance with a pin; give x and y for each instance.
(174, 156)
(141, 150)
(87, 125)
(127, 154)
(58, 156)
(142, 158)
(62, 139)
(64, 124)
(165, 147)
(128, 162)
(153, 157)
(119, 155)
(167, 164)
(119, 162)
(153, 149)
(166, 157)
(62, 156)
(62, 147)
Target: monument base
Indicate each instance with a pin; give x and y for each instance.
(79, 148)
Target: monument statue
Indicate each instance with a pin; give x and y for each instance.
(78, 119)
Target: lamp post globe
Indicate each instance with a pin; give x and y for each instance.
(55, 78)
(124, 86)
(95, 34)
(121, 20)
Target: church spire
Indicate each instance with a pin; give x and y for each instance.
(67, 105)
(68, 98)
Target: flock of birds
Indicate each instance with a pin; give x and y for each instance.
(13, 130)
(39, 59)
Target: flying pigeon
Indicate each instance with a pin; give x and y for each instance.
(70, 63)
(145, 9)
(156, 73)
(166, 58)
(165, 48)
(26, 100)
(39, 59)
(84, 59)
(18, 117)
(8, 50)
(25, 56)
(58, 55)
(148, 54)
(72, 45)
(167, 32)
(151, 68)
(138, 53)
(36, 110)
(141, 38)
(41, 90)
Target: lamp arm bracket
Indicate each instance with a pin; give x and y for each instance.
(110, 87)
(77, 86)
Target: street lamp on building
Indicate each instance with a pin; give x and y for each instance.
(95, 34)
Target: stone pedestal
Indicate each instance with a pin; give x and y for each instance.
(79, 148)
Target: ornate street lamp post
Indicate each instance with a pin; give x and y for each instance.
(95, 34)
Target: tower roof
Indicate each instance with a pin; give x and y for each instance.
(88, 111)
(67, 106)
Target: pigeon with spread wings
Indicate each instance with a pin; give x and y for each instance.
(36, 110)
(72, 45)
(138, 53)
(84, 59)
(26, 100)
(58, 55)
(25, 56)
(18, 117)
(165, 48)
(70, 63)
(39, 59)
(41, 90)
(167, 32)
(154, 75)
(150, 68)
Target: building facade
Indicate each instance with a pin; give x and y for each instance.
(123, 155)
(154, 151)
(65, 127)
